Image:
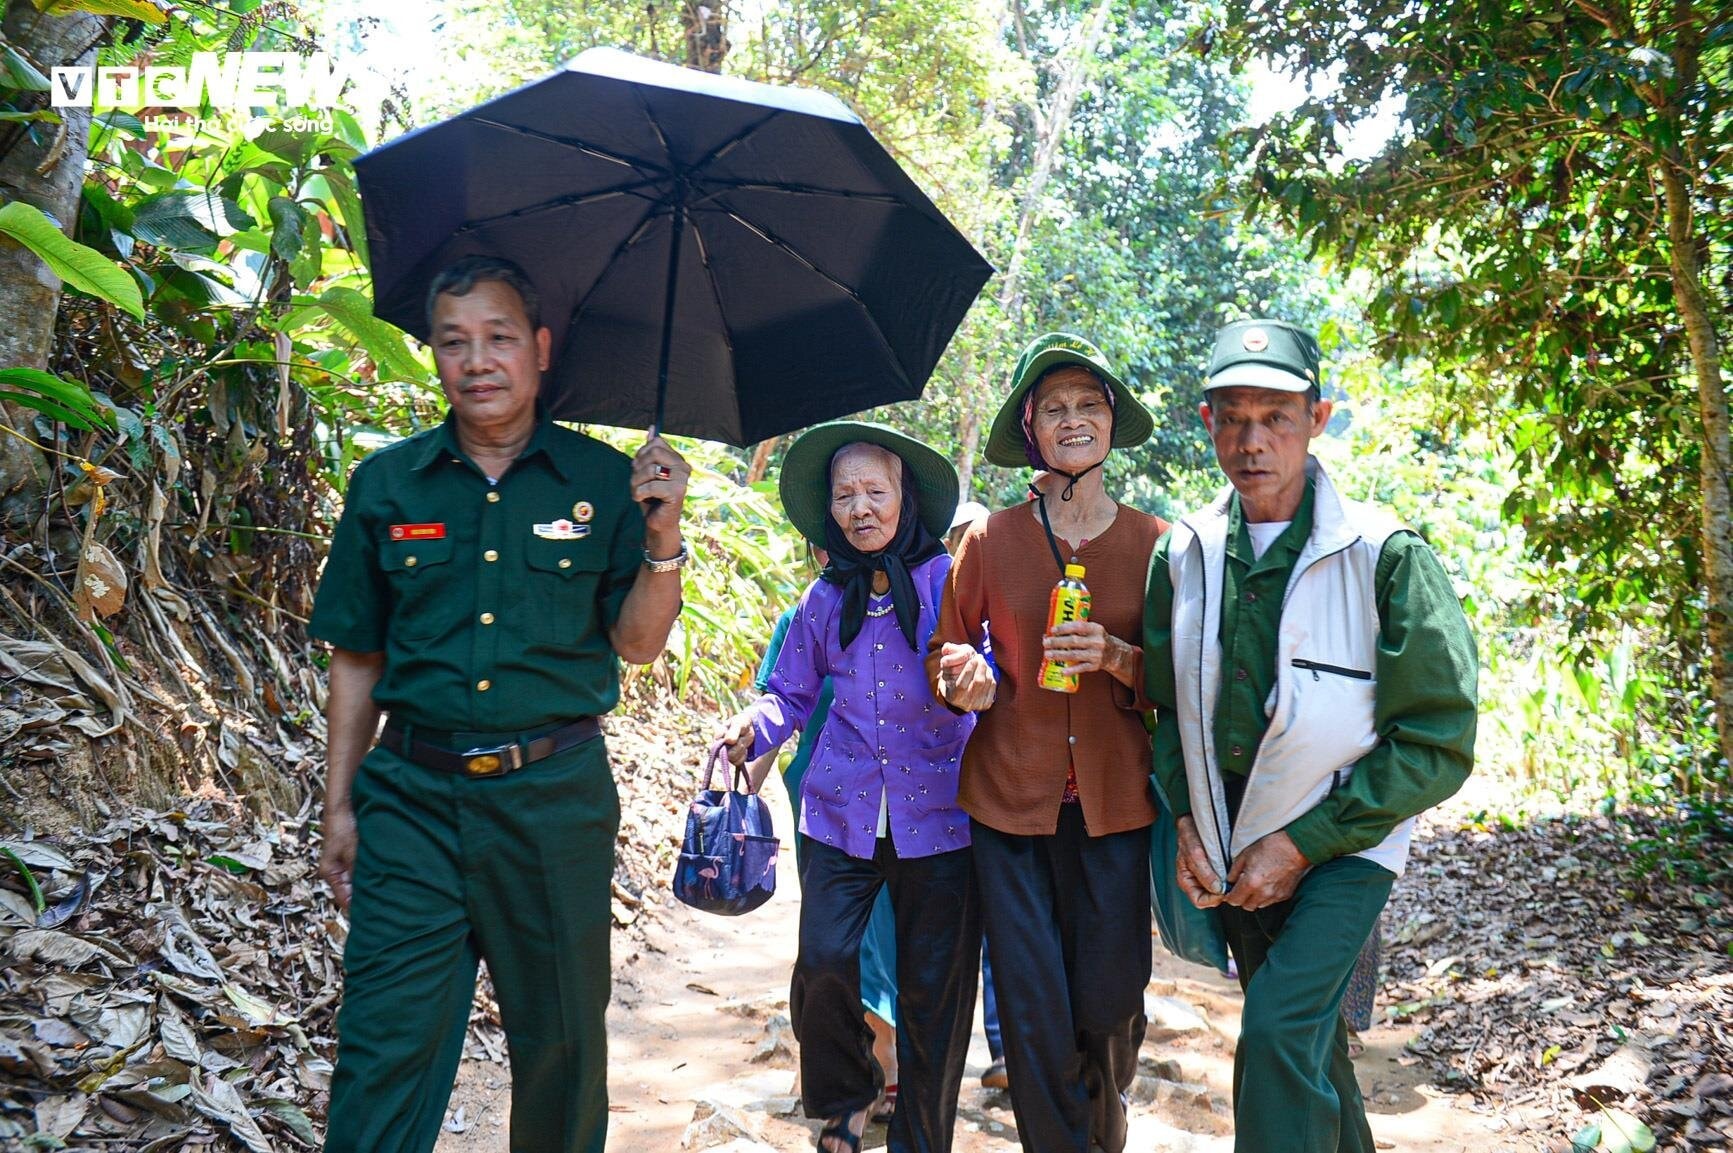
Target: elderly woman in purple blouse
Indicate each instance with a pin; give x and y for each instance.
(878, 805)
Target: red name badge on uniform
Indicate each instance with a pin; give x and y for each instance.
(418, 532)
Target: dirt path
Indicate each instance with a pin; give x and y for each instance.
(698, 1024)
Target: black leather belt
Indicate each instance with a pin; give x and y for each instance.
(433, 749)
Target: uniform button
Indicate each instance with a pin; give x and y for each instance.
(493, 498)
(408, 562)
(1236, 751)
(565, 562)
(1072, 739)
(1240, 674)
(490, 556)
(881, 720)
(482, 686)
(487, 618)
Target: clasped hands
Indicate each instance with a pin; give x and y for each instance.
(1266, 873)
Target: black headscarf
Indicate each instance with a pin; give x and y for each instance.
(853, 570)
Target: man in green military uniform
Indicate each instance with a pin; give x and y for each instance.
(1315, 681)
(484, 580)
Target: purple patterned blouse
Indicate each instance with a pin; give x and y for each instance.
(885, 733)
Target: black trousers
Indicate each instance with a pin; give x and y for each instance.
(1068, 923)
(938, 922)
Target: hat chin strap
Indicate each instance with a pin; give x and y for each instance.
(1071, 477)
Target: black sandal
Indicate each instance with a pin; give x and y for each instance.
(840, 1131)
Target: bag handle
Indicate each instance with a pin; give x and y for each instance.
(741, 783)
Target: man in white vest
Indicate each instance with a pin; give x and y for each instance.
(1315, 680)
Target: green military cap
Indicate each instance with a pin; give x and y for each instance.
(805, 478)
(1264, 354)
(1007, 445)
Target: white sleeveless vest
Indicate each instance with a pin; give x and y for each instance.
(1321, 710)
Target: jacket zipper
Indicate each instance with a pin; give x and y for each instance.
(1317, 667)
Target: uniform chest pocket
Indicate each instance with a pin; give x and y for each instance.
(560, 592)
(420, 575)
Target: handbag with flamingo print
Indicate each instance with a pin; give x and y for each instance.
(727, 862)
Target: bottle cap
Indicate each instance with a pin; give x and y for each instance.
(1074, 571)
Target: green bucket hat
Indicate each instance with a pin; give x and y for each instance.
(1006, 445)
(805, 478)
(1264, 354)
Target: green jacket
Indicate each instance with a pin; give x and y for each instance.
(1424, 709)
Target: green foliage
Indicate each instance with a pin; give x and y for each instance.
(79, 266)
(744, 570)
(258, 374)
(63, 400)
(35, 890)
(1516, 231)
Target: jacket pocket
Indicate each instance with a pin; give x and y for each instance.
(934, 773)
(560, 589)
(420, 575)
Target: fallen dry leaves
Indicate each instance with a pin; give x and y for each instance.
(1553, 978)
(178, 988)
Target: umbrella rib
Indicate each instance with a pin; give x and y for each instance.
(572, 201)
(631, 239)
(872, 322)
(732, 142)
(715, 289)
(637, 165)
(722, 187)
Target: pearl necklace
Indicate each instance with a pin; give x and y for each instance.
(881, 610)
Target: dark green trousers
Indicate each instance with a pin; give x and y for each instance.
(1294, 1086)
(512, 869)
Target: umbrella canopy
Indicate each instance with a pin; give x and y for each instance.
(716, 258)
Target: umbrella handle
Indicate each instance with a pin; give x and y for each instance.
(663, 472)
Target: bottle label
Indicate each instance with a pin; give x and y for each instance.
(1069, 603)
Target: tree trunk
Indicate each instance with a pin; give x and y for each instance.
(49, 175)
(1050, 135)
(761, 460)
(706, 34)
(967, 425)
(1050, 129)
(1717, 468)
(968, 434)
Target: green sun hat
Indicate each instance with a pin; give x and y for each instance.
(1264, 354)
(1006, 445)
(805, 478)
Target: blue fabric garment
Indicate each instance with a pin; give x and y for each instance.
(990, 1008)
(878, 949)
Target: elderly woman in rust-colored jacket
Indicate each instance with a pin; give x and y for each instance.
(1057, 784)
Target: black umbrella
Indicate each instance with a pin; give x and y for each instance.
(716, 257)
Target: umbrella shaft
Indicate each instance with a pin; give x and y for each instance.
(668, 301)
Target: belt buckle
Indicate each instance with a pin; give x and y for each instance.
(494, 762)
